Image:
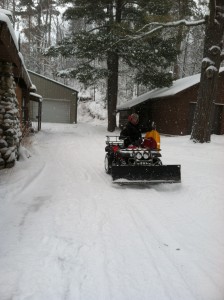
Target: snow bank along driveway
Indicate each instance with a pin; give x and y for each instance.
(68, 233)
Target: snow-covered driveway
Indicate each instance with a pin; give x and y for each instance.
(68, 233)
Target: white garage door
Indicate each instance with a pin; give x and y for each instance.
(54, 111)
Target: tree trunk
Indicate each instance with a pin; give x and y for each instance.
(112, 89)
(203, 117)
(113, 67)
(176, 68)
(182, 12)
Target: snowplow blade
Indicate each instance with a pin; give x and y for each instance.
(146, 174)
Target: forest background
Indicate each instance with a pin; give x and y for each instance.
(42, 25)
(81, 43)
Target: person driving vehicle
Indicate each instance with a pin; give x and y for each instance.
(131, 133)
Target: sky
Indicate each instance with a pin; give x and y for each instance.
(68, 232)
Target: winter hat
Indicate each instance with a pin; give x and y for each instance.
(133, 118)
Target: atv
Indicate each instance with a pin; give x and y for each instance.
(138, 163)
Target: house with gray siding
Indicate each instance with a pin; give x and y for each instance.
(59, 103)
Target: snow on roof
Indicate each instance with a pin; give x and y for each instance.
(14, 35)
(178, 86)
(36, 96)
(6, 12)
(5, 18)
(33, 88)
(25, 69)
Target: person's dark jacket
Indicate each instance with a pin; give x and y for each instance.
(131, 135)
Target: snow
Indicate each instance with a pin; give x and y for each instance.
(68, 232)
(212, 68)
(4, 18)
(92, 109)
(159, 26)
(208, 61)
(14, 34)
(36, 96)
(216, 49)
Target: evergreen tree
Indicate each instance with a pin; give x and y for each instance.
(105, 38)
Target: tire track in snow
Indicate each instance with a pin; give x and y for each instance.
(153, 244)
(20, 189)
(90, 166)
(39, 173)
(89, 170)
(91, 163)
(180, 260)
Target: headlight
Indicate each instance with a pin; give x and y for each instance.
(138, 155)
(146, 155)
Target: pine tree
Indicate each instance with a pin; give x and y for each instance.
(107, 37)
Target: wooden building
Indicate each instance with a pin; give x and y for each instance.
(59, 100)
(10, 53)
(15, 85)
(172, 109)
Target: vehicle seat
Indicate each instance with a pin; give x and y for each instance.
(149, 143)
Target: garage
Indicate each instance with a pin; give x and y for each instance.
(59, 101)
(56, 111)
(53, 111)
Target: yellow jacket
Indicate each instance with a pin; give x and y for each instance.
(155, 135)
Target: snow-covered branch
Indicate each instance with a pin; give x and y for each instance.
(97, 28)
(168, 24)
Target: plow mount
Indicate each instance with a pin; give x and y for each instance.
(137, 164)
(146, 174)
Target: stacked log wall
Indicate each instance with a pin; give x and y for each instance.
(10, 131)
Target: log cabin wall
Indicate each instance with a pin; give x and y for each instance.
(10, 132)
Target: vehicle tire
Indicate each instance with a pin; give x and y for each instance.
(107, 164)
(157, 162)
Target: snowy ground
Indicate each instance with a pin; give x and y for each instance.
(68, 233)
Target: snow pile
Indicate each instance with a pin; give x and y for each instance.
(89, 110)
(97, 110)
(24, 153)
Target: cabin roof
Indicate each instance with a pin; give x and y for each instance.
(178, 86)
